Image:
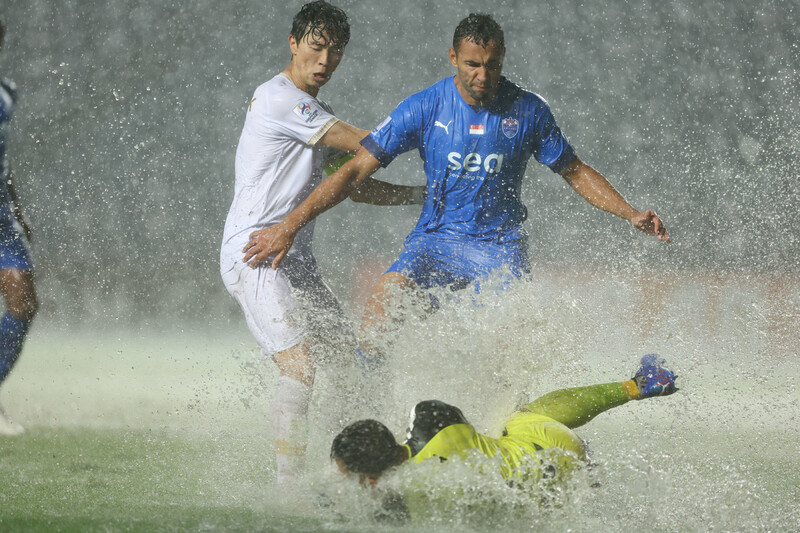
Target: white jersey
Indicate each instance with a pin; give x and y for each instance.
(277, 165)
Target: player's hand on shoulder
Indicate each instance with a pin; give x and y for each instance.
(650, 223)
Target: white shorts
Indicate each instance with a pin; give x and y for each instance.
(285, 306)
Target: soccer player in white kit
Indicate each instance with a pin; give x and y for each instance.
(288, 138)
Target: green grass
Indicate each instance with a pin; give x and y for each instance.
(129, 432)
(124, 480)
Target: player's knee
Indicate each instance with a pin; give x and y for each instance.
(23, 304)
(296, 363)
(27, 309)
(303, 375)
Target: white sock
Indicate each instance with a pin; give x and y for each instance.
(288, 418)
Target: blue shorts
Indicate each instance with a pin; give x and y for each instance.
(14, 248)
(438, 260)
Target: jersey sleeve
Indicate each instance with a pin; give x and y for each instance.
(398, 133)
(302, 118)
(550, 146)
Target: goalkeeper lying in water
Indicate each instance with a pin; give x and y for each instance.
(538, 440)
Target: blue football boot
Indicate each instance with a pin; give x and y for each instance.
(653, 379)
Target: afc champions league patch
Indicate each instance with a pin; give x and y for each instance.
(306, 112)
(510, 127)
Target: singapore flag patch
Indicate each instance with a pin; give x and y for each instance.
(476, 129)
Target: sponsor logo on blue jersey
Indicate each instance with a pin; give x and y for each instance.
(473, 162)
(445, 127)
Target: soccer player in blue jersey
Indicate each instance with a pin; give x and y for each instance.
(475, 132)
(16, 268)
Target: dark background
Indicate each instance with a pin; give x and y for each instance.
(130, 111)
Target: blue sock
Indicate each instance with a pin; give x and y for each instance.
(12, 335)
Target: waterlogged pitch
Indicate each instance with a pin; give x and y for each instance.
(132, 431)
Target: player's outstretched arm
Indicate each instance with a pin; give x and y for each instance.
(377, 192)
(346, 139)
(343, 137)
(597, 190)
(276, 240)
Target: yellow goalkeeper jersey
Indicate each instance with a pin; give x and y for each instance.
(532, 445)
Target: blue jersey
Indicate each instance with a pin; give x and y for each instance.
(8, 97)
(474, 158)
(14, 248)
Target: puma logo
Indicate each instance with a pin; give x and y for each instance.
(437, 123)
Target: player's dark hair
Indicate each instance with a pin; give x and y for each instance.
(479, 28)
(318, 16)
(365, 447)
